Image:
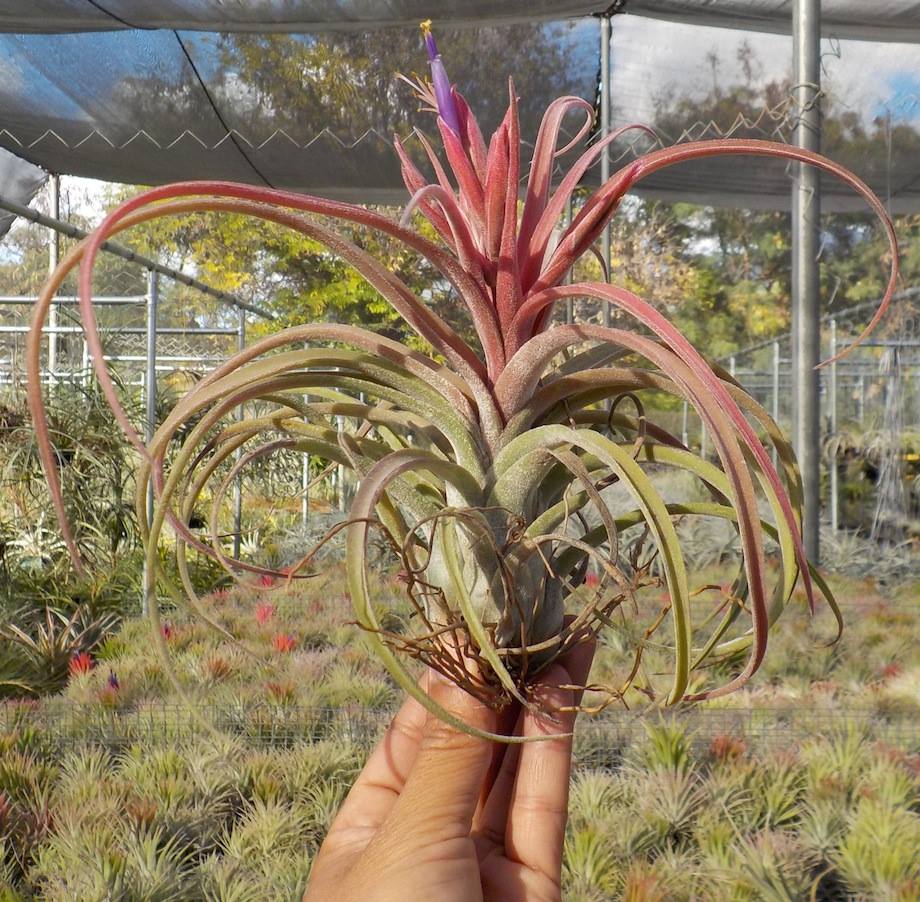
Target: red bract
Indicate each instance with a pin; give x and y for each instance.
(284, 642)
(477, 463)
(282, 693)
(264, 613)
(891, 671)
(80, 663)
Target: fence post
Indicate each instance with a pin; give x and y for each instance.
(54, 253)
(569, 302)
(238, 485)
(775, 399)
(305, 490)
(150, 389)
(861, 398)
(832, 403)
(340, 474)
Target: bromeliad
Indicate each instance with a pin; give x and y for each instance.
(488, 469)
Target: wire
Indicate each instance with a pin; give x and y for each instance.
(217, 112)
(111, 15)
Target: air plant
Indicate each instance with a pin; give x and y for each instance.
(284, 642)
(80, 664)
(264, 613)
(484, 468)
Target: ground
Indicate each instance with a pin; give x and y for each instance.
(804, 785)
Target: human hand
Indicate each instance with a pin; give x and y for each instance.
(437, 814)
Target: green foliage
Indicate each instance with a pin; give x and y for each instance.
(45, 645)
(879, 856)
(668, 748)
(100, 801)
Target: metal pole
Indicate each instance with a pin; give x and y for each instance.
(340, 472)
(238, 485)
(806, 213)
(150, 387)
(684, 437)
(605, 130)
(775, 399)
(569, 302)
(731, 366)
(54, 255)
(832, 403)
(861, 399)
(305, 491)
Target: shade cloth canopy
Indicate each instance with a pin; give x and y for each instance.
(892, 20)
(303, 94)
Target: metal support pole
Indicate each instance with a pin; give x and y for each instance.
(861, 399)
(238, 485)
(569, 302)
(340, 473)
(150, 388)
(832, 404)
(806, 213)
(685, 415)
(775, 398)
(54, 255)
(305, 491)
(605, 130)
(731, 366)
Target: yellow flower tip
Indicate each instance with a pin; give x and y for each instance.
(425, 27)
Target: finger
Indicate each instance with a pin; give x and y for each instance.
(441, 793)
(509, 724)
(538, 807)
(492, 816)
(492, 821)
(383, 777)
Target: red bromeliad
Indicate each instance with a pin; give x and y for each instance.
(485, 468)
(80, 663)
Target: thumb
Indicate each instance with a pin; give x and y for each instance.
(444, 786)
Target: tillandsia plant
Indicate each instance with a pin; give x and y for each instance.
(485, 468)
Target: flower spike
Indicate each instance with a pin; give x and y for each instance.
(443, 91)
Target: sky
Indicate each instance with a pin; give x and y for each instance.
(651, 56)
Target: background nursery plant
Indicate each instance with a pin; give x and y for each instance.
(517, 482)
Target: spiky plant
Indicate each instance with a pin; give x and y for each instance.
(484, 467)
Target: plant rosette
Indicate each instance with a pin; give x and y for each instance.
(485, 466)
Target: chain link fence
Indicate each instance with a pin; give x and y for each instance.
(600, 741)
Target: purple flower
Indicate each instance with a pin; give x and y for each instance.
(443, 92)
(113, 681)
